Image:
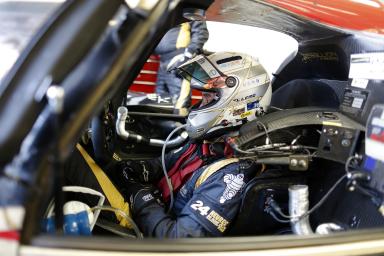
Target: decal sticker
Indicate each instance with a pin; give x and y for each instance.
(245, 114)
(360, 83)
(354, 101)
(374, 143)
(201, 60)
(212, 216)
(199, 206)
(262, 79)
(238, 111)
(147, 197)
(245, 98)
(367, 65)
(252, 105)
(183, 191)
(212, 73)
(158, 98)
(116, 157)
(319, 56)
(207, 67)
(217, 220)
(235, 63)
(234, 184)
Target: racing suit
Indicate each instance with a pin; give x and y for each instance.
(202, 207)
(185, 41)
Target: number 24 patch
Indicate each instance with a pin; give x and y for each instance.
(199, 206)
(212, 216)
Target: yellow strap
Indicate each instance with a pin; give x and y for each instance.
(184, 94)
(211, 169)
(113, 195)
(184, 37)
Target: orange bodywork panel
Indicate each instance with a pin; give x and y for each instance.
(364, 15)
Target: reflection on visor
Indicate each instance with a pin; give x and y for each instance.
(215, 83)
(194, 72)
(208, 97)
(198, 76)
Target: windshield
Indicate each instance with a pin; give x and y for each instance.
(19, 22)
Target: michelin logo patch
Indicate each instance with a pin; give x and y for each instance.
(234, 184)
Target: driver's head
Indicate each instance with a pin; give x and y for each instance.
(235, 89)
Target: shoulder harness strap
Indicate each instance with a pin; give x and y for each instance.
(113, 195)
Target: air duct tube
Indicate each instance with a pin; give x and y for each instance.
(298, 207)
(122, 114)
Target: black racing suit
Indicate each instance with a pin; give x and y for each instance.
(201, 208)
(189, 37)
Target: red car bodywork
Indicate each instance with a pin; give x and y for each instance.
(146, 80)
(10, 235)
(365, 15)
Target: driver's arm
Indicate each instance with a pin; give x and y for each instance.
(206, 210)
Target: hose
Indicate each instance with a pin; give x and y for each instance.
(169, 184)
(122, 114)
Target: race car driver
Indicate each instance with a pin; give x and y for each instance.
(206, 179)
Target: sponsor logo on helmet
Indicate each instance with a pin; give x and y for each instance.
(231, 64)
(253, 81)
(253, 105)
(245, 98)
(238, 111)
(201, 60)
(212, 73)
(245, 114)
(201, 129)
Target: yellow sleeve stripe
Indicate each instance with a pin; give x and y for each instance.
(113, 195)
(211, 169)
(184, 94)
(184, 37)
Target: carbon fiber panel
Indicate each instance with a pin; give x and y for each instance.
(295, 117)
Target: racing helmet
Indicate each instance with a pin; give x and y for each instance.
(235, 89)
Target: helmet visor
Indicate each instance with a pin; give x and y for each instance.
(201, 73)
(208, 99)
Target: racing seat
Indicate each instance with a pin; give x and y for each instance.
(307, 92)
(252, 218)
